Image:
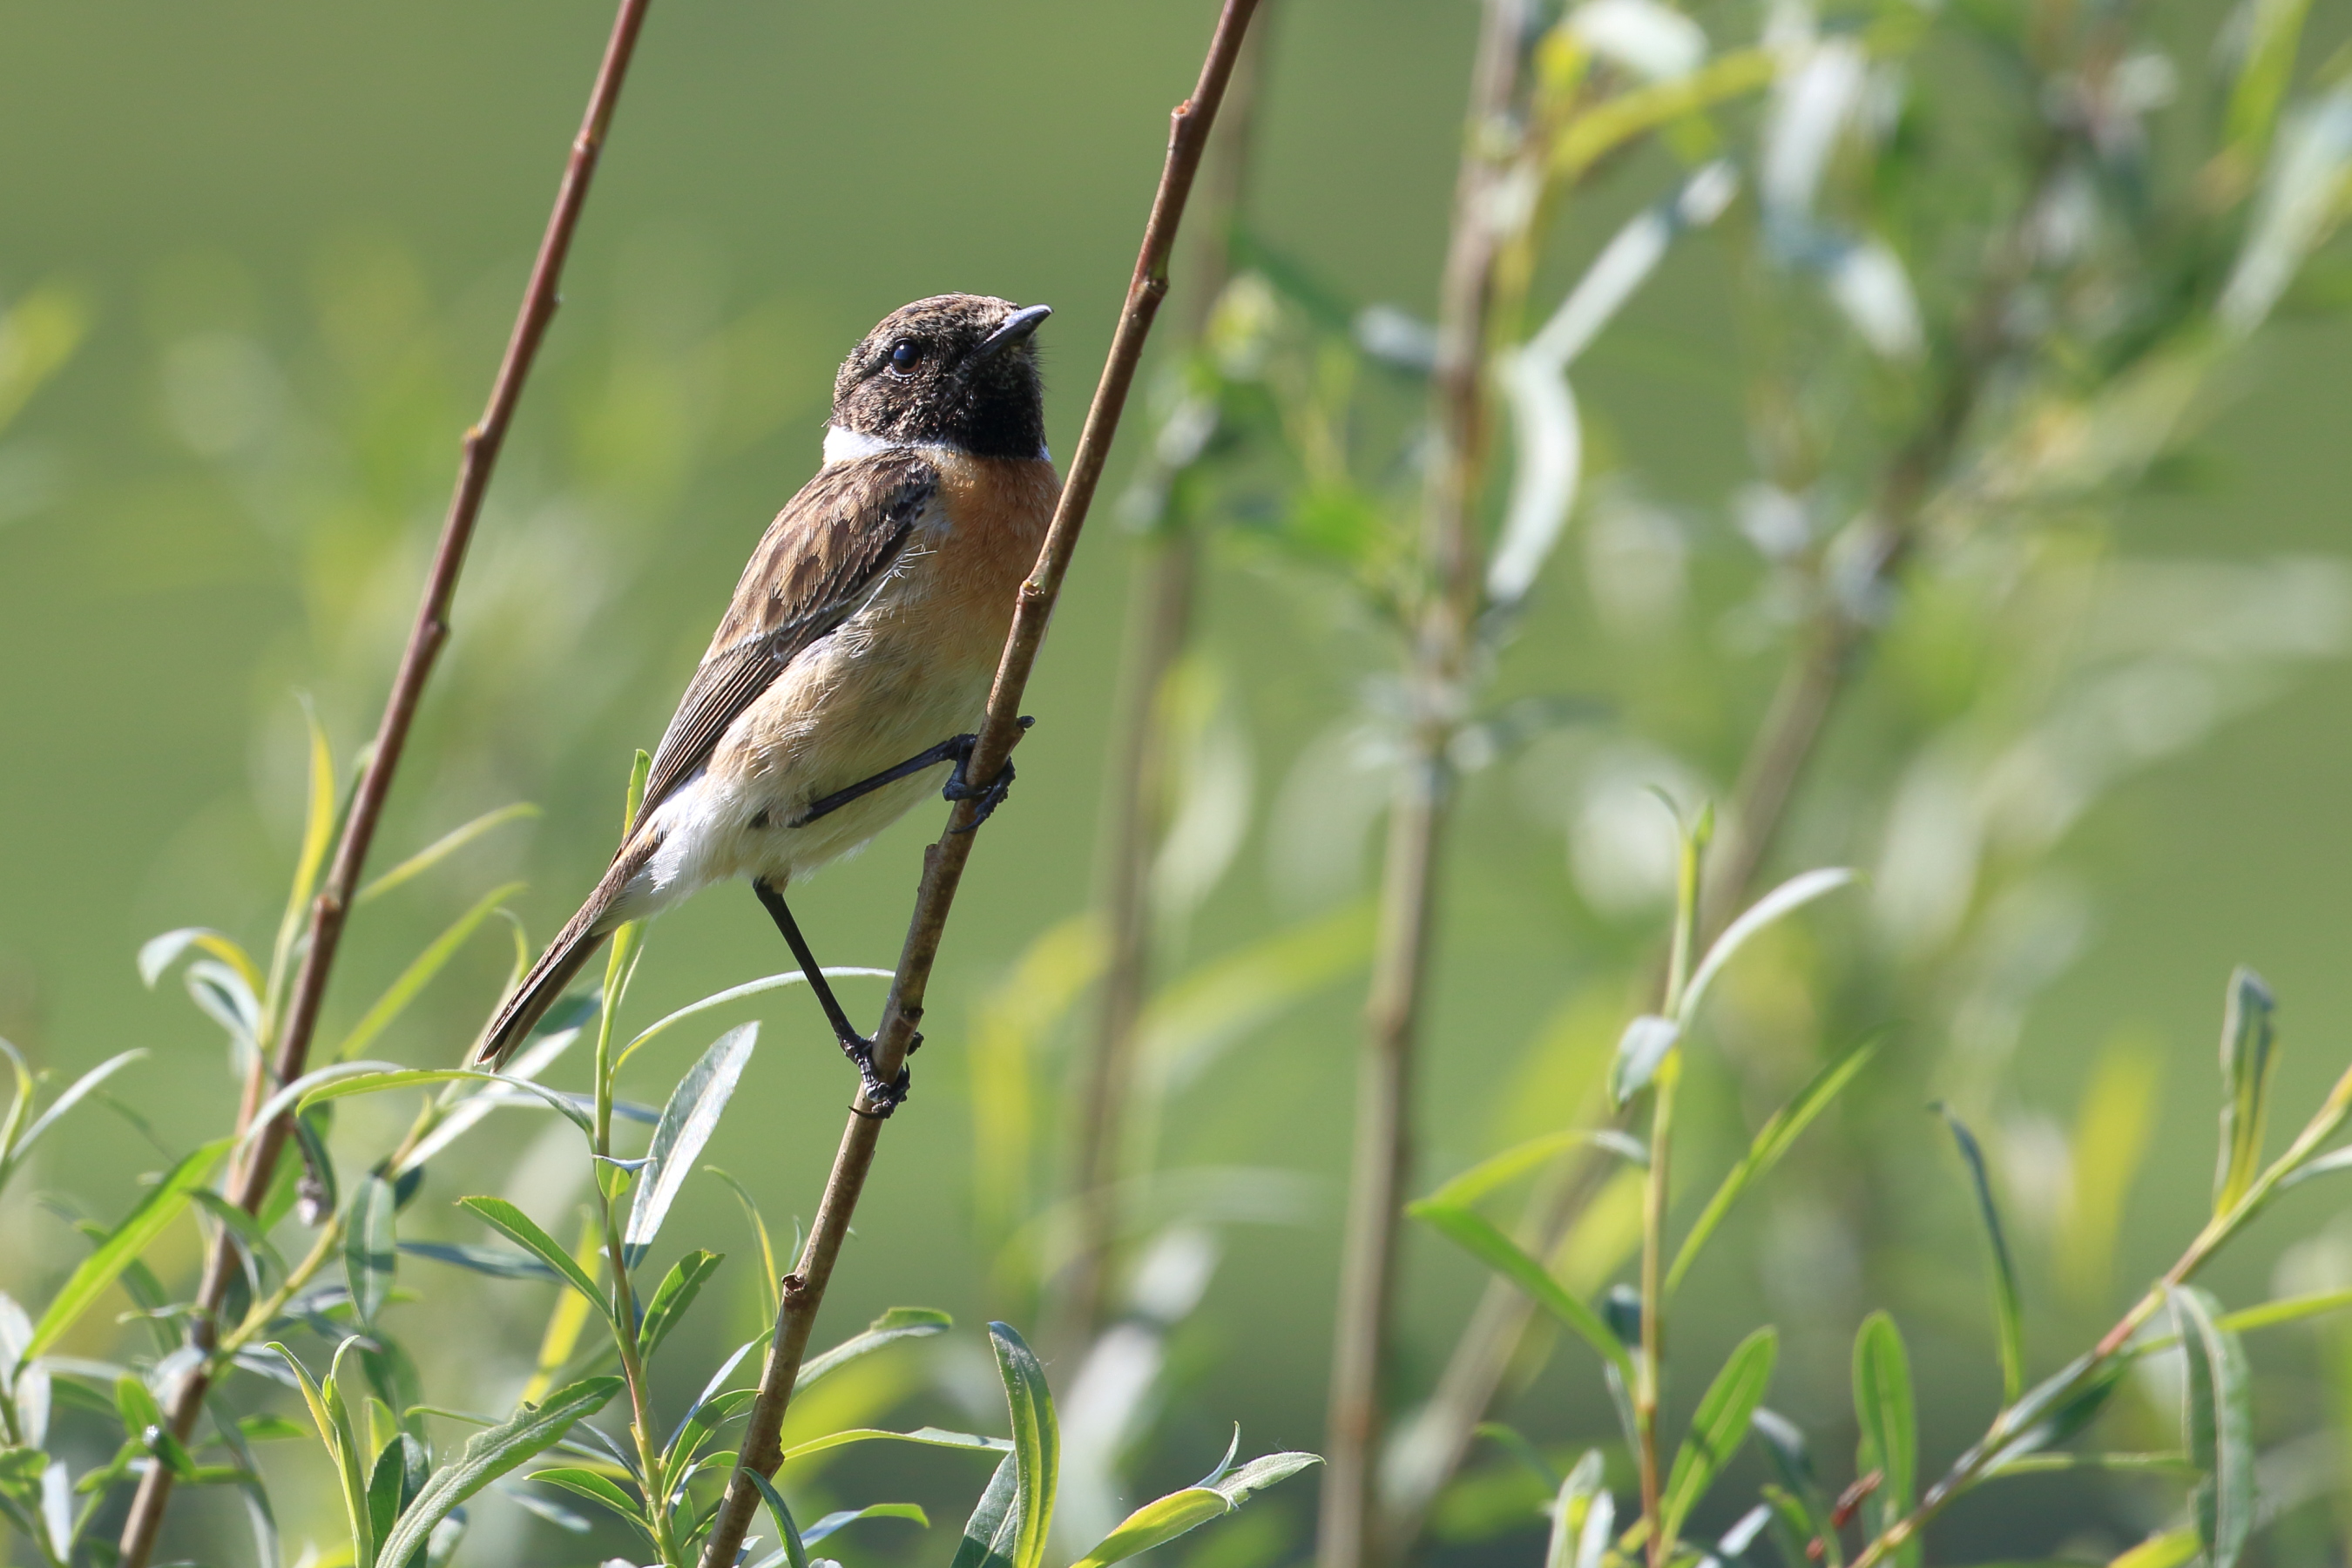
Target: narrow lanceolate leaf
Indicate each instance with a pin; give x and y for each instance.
(1171, 1516)
(841, 1518)
(2247, 1058)
(1479, 1236)
(2219, 1413)
(371, 1255)
(1497, 1171)
(419, 973)
(896, 1324)
(1584, 1492)
(528, 1432)
(686, 1124)
(157, 955)
(597, 1488)
(927, 1437)
(1640, 1050)
(1036, 1443)
(72, 1097)
(673, 1296)
(796, 1550)
(2008, 1310)
(137, 1232)
(1889, 1420)
(520, 1228)
(346, 1078)
(988, 1534)
(1785, 899)
(1772, 1140)
(1717, 1427)
(333, 1423)
(441, 848)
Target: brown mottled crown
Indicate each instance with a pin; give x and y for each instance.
(955, 370)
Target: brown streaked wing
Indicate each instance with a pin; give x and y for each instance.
(825, 551)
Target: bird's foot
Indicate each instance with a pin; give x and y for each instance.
(990, 794)
(884, 1098)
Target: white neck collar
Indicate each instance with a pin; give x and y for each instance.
(842, 445)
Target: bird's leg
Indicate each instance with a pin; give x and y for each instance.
(884, 1096)
(956, 749)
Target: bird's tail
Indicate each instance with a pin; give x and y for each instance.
(573, 946)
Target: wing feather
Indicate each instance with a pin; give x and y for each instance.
(823, 555)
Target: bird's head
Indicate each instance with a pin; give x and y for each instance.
(955, 370)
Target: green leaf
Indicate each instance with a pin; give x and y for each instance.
(1889, 1420)
(498, 1262)
(375, 1078)
(2008, 1312)
(1169, 1517)
(419, 973)
(686, 1124)
(842, 1518)
(138, 1230)
(399, 1476)
(1716, 1428)
(2292, 1309)
(441, 848)
(929, 1436)
(81, 1087)
(596, 1487)
(1478, 1235)
(2218, 1413)
(1036, 1443)
(1499, 1171)
(1641, 1050)
(1773, 1140)
(2247, 1058)
(1789, 896)
(2272, 28)
(896, 1324)
(673, 1296)
(522, 1229)
(333, 1422)
(736, 993)
(988, 1534)
(371, 1256)
(2168, 1550)
(1583, 1517)
(771, 1275)
(157, 955)
(795, 1550)
(530, 1431)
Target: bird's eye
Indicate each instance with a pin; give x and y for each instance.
(904, 355)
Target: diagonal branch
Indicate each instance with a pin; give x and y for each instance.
(329, 911)
(943, 863)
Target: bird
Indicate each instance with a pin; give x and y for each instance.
(854, 660)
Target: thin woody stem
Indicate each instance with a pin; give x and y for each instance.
(1167, 576)
(1437, 672)
(803, 1290)
(250, 1181)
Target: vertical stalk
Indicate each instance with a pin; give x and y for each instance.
(1166, 574)
(1438, 667)
(249, 1184)
(803, 1290)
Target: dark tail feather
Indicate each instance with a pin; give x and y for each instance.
(582, 936)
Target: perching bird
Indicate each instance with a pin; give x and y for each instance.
(856, 656)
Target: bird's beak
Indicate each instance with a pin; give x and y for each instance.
(1016, 327)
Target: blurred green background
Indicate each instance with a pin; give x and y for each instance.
(297, 233)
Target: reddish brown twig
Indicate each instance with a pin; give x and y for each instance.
(250, 1181)
(943, 862)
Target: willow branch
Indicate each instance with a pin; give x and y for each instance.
(943, 863)
(250, 1181)
(1166, 577)
(1437, 671)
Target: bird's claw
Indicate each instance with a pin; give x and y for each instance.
(990, 795)
(884, 1098)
